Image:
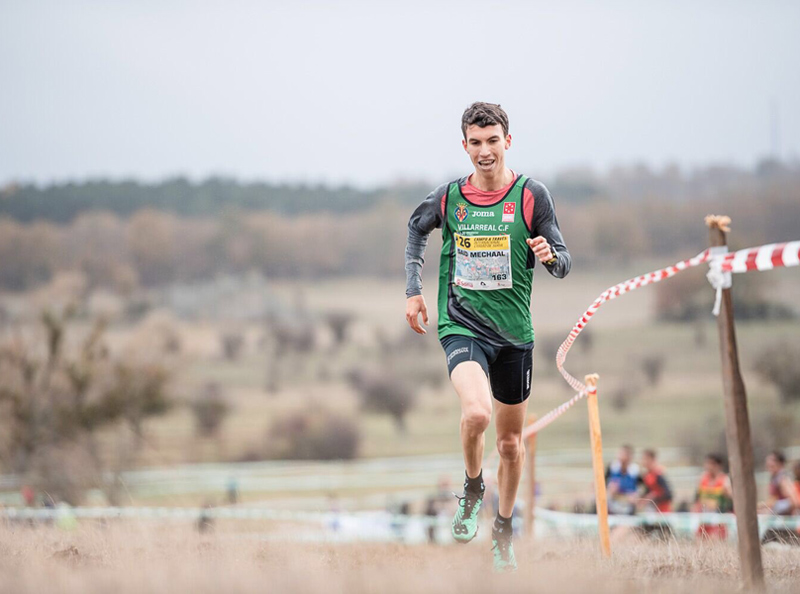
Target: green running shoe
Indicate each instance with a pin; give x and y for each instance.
(503, 549)
(465, 522)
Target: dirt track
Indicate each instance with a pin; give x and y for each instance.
(149, 558)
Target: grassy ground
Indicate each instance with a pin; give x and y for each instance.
(143, 557)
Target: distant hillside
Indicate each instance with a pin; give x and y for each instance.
(62, 203)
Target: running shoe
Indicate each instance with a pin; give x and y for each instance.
(503, 549)
(465, 522)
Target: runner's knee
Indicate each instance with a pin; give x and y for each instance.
(477, 419)
(510, 447)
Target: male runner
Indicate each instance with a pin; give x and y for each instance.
(495, 225)
(782, 500)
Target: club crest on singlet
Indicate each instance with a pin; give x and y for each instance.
(461, 212)
(508, 211)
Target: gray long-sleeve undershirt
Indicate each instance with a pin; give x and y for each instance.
(428, 216)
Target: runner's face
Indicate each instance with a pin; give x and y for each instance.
(772, 464)
(487, 148)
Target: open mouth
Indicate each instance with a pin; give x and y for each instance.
(486, 162)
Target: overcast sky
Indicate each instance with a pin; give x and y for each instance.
(372, 92)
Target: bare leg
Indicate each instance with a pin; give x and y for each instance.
(472, 387)
(510, 421)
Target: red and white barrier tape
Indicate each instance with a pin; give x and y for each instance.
(765, 257)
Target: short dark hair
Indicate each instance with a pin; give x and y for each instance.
(715, 458)
(779, 456)
(650, 453)
(484, 114)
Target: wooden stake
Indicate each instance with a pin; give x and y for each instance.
(737, 431)
(530, 458)
(601, 499)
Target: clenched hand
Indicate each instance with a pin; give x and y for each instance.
(541, 248)
(414, 306)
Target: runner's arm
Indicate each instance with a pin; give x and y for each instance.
(545, 224)
(666, 492)
(426, 218)
(791, 494)
(728, 487)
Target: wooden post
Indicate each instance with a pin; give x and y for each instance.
(601, 499)
(530, 458)
(737, 430)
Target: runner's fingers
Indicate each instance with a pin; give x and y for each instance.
(417, 328)
(414, 323)
(425, 315)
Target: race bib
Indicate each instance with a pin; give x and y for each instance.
(483, 263)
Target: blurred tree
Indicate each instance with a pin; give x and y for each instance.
(652, 367)
(232, 342)
(152, 236)
(210, 409)
(55, 397)
(313, 434)
(385, 392)
(621, 397)
(778, 365)
(339, 322)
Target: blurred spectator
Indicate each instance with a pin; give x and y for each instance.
(400, 519)
(622, 477)
(28, 495)
(205, 521)
(714, 495)
(490, 511)
(796, 472)
(657, 495)
(783, 498)
(233, 491)
(438, 504)
(335, 511)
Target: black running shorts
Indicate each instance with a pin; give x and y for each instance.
(509, 368)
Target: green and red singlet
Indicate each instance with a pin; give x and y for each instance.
(485, 279)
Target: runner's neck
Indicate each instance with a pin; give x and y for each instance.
(491, 183)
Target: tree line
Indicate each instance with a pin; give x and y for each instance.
(62, 203)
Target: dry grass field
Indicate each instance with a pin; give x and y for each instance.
(144, 557)
(686, 400)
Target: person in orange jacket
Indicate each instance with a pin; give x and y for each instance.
(714, 494)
